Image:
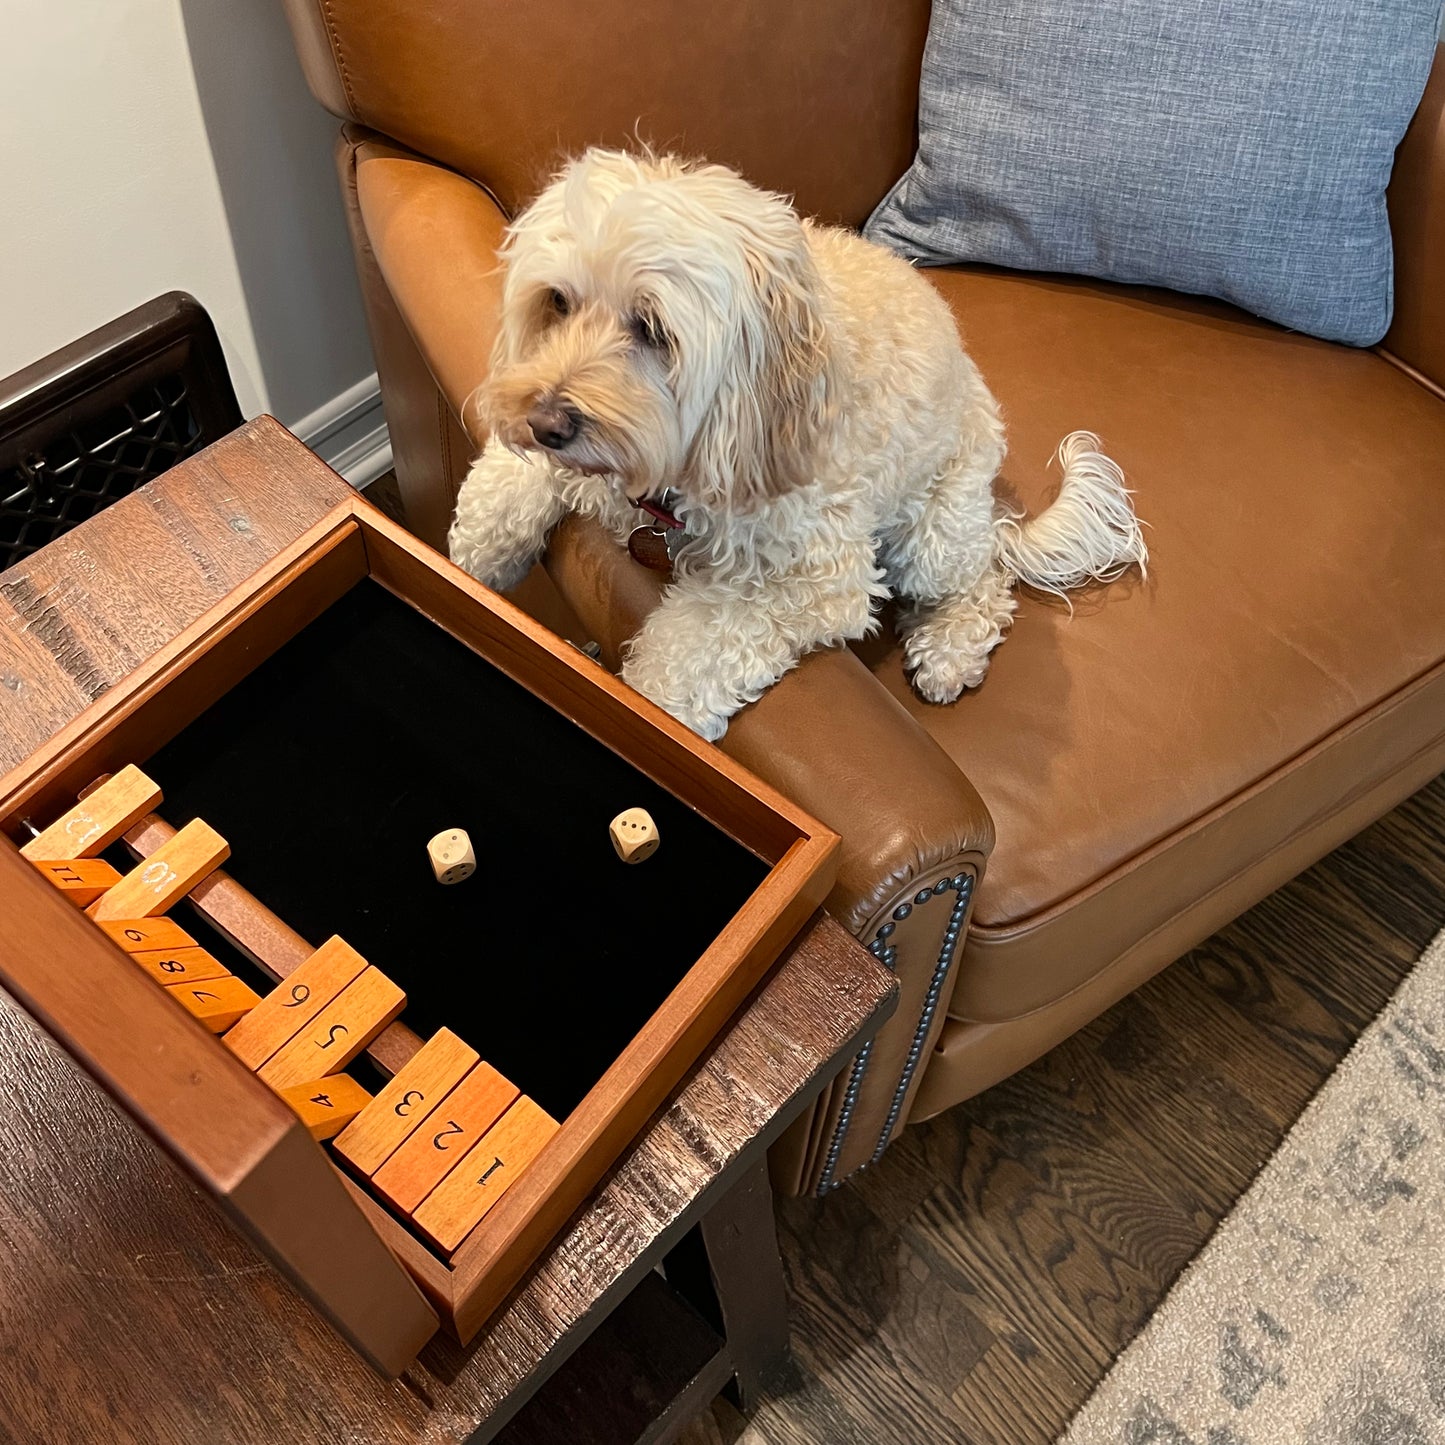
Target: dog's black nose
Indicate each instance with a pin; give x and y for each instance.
(552, 424)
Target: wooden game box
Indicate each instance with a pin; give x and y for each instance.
(354, 697)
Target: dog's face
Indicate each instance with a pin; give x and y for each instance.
(660, 327)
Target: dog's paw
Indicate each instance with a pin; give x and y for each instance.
(941, 673)
(707, 725)
(690, 712)
(641, 672)
(946, 645)
(710, 727)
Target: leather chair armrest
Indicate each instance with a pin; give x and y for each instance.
(1417, 222)
(915, 839)
(426, 241)
(435, 236)
(429, 451)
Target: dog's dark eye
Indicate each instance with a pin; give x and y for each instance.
(651, 332)
(559, 301)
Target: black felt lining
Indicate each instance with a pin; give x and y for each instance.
(329, 768)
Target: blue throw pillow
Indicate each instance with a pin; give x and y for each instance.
(1235, 148)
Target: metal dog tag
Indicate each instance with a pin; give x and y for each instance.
(649, 546)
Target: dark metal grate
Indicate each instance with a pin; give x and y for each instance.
(90, 424)
(87, 468)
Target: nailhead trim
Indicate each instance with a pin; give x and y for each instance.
(887, 955)
(964, 891)
(845, 1115)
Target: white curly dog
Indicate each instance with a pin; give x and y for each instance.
(803, 399)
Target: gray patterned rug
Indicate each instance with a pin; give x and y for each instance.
(1316, 1314)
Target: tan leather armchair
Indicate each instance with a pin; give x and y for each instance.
(1134, 774)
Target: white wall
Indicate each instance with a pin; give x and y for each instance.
(150, 145)
(271, 145)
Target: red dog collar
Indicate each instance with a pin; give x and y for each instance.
(657, 511)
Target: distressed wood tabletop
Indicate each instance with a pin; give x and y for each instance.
(130, 1309)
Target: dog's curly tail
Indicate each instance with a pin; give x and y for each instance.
(1088, 533)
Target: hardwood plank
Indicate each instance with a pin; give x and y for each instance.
(1044, 1267)
(812, 1414)
(1014, 1383)
(914, 1358)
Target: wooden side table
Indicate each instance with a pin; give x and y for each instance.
(132, 1311)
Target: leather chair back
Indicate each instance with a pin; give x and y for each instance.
(815, 98)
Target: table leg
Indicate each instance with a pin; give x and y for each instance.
(669, 1348)
(730, 1271)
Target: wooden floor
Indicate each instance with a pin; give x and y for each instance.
(977, 1283)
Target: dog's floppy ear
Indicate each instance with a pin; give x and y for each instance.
(760, 437)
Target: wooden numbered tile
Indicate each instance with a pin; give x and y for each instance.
(455, 1207)
(94, 824)
(181, 965)
(144, 935)
(384, 1125)
(443, 1137)
(338, 1033)
(82, 880)
(164, 878)
(217, 1002)
(295, 1001)
(327, 1106)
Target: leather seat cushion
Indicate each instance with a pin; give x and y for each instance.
(1293, 492)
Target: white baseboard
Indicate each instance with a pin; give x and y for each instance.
(349, 433)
